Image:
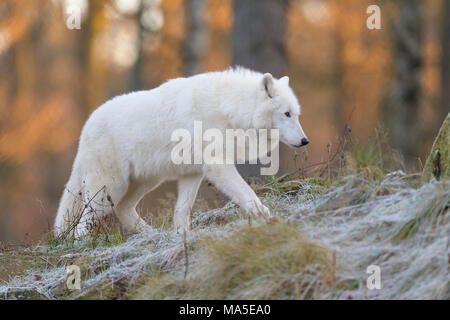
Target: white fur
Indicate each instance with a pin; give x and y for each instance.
(125, 146)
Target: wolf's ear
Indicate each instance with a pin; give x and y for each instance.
(267, 83)
(285, 80)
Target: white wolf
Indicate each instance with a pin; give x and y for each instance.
(125, 146)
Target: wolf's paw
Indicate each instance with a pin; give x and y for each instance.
(146, 229)
(257, 209)
(181, 229)
(265, 211)
(139, 227)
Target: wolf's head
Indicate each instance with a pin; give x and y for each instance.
(278, 108)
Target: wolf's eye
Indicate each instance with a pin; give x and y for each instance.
(288, 114)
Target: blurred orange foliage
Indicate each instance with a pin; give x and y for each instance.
(51, 78)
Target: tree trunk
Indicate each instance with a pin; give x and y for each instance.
(402, 112)
(135, 82)
(194, 43)
(445, 63)
(258, 42)
(85, 58)
(339, 83)
(438, 162)
(258, 35)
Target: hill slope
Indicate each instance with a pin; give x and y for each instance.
(318, 246)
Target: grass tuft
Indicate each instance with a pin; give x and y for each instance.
(267, 261)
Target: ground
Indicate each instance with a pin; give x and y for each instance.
(318, 246)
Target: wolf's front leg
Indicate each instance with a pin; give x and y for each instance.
(228, 180)
(187, 191)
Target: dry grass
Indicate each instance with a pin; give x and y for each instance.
(266, 261)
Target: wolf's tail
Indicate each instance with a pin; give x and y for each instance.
(70, 206)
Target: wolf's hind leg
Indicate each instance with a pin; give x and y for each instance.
(126, 208)
(187, 192)
(99, 196)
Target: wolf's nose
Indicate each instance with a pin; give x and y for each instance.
(305, 141)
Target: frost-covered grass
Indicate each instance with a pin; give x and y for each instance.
(318, 246)
(263, 261)
(401, 229)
